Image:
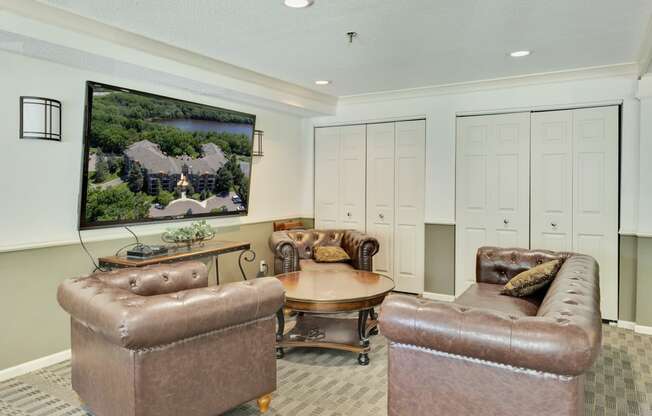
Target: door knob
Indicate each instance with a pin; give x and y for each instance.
(381, 216)
(348, 214)
(553, 224)
(505, 221)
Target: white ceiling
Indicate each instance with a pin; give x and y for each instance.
(402, 43)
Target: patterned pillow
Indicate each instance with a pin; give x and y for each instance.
(529, 281)
(330, 254)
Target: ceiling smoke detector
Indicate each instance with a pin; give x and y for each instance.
(298, 4)
(519, 54)
(322, 82)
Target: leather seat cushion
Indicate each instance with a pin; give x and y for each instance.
(487, 296)
(311, 265)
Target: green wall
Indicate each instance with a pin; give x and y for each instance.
(33, 325)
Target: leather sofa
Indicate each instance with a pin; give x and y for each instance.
(493, 355)
(293, 250)
(157, 341)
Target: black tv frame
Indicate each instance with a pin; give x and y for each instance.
(88, 109)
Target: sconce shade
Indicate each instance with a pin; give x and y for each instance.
(40, 118)
(258, 143)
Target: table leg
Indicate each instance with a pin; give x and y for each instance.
(363, 357)
(243, 256)
(280, 317)
(374, 317)
(217, 269)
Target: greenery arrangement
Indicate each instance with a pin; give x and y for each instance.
(196, 232)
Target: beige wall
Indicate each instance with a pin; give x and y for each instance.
(440, 259)
(33, 325)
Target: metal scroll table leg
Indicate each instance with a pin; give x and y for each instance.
(363, 357)
(280, 317)
(250, 259)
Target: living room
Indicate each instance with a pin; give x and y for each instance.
(306, 207)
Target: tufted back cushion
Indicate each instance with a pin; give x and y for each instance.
(159, 279)
(498, 265)
(307, 240)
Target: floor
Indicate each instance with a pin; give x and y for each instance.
(329, 383)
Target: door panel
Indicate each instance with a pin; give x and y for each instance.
(552, 170)
(380, 194)
(352, 177)
(327, 174)
(595, 196)
(409, 205)
(492, 188)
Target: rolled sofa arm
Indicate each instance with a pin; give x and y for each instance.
(137, 322)
(286, 254)
(536, 343)
(361, 248)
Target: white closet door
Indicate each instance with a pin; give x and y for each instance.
(552, 190)
(380, 194)
(352, 212)
(595, 196)
(511, 175)
(492, 188)
(409, 230)
(327, 177)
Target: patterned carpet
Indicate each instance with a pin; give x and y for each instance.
(330, 383)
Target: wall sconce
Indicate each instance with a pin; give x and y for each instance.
(258, 143)
(40, 118)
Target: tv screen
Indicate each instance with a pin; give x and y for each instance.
(152, 158)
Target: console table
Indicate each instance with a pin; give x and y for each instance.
(182, 253)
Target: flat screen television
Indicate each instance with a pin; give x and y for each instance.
(151, 158)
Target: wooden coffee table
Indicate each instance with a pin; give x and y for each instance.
(326, 293)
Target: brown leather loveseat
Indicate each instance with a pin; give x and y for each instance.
(157, 341)
(493, 355)
(293, 250)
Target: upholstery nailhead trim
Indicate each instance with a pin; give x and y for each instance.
(523, 370)
(205, 334)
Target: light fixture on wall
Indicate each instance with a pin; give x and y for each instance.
(258, 143)
(40, 118)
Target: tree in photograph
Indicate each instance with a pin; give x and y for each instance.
(115, 164)
(157, 187)
(164, 198)
(101, 169)
(205, 194)
(223, 180)
(116, 203)
(135, 178)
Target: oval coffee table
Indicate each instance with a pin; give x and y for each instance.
(326, 293)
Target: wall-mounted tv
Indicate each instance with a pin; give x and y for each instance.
(152, 158)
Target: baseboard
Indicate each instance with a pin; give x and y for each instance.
(34, 365)
(626, 325)
(641, 329)
(438, 296)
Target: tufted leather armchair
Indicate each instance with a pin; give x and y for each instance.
(293, 250)
(489, 354)
(158, 341)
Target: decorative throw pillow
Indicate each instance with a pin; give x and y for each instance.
(330, 254)
(529, 281)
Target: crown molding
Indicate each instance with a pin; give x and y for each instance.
(629, 69)
(41, 22)
(645, 53)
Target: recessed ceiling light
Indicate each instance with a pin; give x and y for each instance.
(519, 54)
(322, 82)
(298, 4)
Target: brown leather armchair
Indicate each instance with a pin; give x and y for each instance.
(158, 341)
(489, 354)
(293, 250)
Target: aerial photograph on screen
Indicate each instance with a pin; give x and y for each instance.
(151, 157)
